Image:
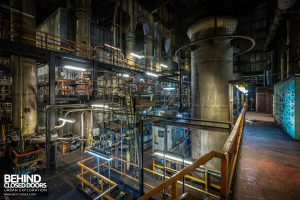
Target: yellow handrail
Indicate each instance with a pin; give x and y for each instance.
(85, 171)
(231, 148)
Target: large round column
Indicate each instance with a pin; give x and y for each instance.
(24, 71)
(211, 71)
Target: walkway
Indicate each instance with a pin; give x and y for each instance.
(269, 164)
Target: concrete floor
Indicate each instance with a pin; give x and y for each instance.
(269, 164)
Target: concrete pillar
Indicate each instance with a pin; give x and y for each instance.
(82, 13)
(211, 71)
(148, 48)
(130, 46)
(24, 71)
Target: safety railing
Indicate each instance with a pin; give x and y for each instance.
(106, 54)
(228, 156)
(26, 159)
(95, 181)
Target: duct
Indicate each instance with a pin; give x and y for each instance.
(146, 28)
(148, 45)
(283, 5)
(167, 45)
(157, 45)
(130, 46)
(273, 29)
(211, 71)
(82, 14)
(168, 50)
(148, 52)
(114, 24)
(17, 11)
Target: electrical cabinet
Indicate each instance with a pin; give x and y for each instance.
(175, 139)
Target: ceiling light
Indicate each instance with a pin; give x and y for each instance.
(152, 74)
(136, 55)
(75, 68)
(66, 120)
(100, 106)
(124, 75)
(164, 66)
(169, 88)
(242, 89)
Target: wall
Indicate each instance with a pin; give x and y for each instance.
(56, 24)
(286, 106)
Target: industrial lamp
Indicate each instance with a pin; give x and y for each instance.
(99, 106)
(152, 74)
(172, 157)
(64, 121)
(124, 75)
(68, 120)
(169, 88)
(164, 66)
(136, 55)
(75, 68)
(242, 89)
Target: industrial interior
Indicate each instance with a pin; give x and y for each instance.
(160, 99)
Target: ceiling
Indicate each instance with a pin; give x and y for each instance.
(192, 10)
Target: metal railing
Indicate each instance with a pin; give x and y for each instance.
(32, 36)
(228, 156)
(103, 186)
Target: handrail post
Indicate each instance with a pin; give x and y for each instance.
(174, 192)
(224, 177)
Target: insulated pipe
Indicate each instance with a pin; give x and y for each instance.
(61, 125)
(148, 52)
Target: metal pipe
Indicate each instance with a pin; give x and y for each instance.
(104, 193)
(114, 23)
(82, 124)
(48, 132)
(288, 66)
